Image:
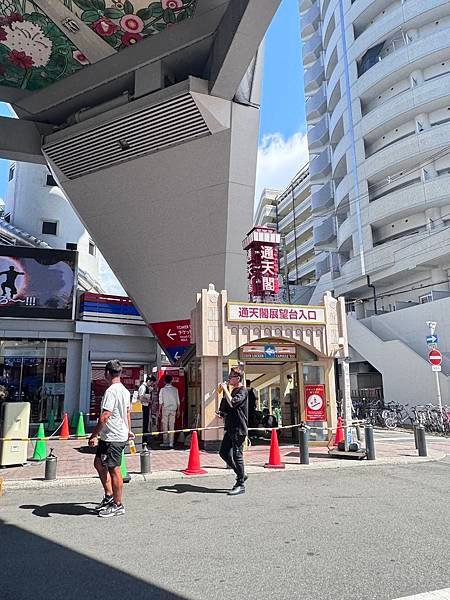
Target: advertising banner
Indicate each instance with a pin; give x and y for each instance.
(315, 405)
(36, 282)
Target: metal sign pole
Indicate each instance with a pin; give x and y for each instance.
(432, 325)
(347, 403)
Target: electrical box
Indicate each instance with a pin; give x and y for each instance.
(14, 423)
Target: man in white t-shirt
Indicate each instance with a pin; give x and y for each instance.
(114, 429)
(169, 405)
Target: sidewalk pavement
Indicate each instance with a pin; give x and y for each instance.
(75, 461)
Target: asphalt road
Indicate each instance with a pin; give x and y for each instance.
(365, 533)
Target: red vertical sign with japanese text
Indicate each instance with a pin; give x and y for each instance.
(315, 405)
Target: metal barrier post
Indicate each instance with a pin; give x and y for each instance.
(303, 442)
(415, 425)
(370, 443)
(145, 459)
(421, 441)
(50, 466)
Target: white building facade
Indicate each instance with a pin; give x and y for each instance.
(35, 204)
(376, 80)
(378, 113)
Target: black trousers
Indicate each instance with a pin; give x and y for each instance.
(146, 423)
(232, 452)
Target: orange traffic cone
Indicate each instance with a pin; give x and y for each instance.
(339, 435)
(274, 453)
(194, 467)
(64, 435)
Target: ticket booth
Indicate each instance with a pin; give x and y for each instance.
(288, 352)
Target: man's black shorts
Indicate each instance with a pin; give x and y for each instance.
(110, 453)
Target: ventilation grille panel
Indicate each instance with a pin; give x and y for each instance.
(129, 137)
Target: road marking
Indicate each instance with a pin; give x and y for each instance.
(437, 595)
(394, 439)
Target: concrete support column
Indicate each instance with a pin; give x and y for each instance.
(85, 374)
(72, 395)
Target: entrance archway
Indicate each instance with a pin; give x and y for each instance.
(302, 342)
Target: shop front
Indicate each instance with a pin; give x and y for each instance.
(34, 371)
(288, 353)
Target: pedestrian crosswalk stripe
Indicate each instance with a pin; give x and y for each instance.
(437, 595)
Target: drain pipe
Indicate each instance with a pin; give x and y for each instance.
(374, 294)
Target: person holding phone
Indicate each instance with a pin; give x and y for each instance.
(234, 409)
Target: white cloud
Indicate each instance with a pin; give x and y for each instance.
(109, 281)
(279, 159)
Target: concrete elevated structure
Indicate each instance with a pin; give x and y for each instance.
(150, 130)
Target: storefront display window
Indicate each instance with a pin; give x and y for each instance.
(35, 371)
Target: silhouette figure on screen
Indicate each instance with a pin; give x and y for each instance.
(10, 282)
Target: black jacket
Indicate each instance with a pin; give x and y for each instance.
(236, 416)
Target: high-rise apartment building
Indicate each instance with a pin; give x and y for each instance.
(377, 74)
(289, 212)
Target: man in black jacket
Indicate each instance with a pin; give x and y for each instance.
(234, 407)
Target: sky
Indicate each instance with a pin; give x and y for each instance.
(282, 148)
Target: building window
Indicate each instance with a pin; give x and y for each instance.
(92, 248)
(49, 227)
(50, 181)
(12, 169)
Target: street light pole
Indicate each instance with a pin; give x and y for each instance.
(432, 326)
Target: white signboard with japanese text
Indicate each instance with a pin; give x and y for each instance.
(275, 313)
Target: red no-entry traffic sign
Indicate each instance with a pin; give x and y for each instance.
(435, 357)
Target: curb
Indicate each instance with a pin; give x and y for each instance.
(39, 484)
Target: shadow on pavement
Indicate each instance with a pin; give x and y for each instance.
(37, 568)
(62, 508)
(182, 488)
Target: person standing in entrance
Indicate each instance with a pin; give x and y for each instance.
(169, 406)
(144, 399)
(252, 422)
(234, 407)
(114, 429)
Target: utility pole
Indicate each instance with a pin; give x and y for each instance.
(285, 267)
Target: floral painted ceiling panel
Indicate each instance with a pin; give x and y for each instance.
(35, 52)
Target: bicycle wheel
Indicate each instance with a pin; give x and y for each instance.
(391, 422)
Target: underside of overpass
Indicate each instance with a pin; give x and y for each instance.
(148, 115)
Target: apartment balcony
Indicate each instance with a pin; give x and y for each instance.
(320, 167)
(325, 234)
(306, 5)
(322, 199)
(300, 189)
(301, 250)
(289, 218)
(299, 230)
(318, 136)
(309, 21)
(306, 268)
(314, 77)
(312, 49)
(329, 263)
(322, 267)
(316, 105)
